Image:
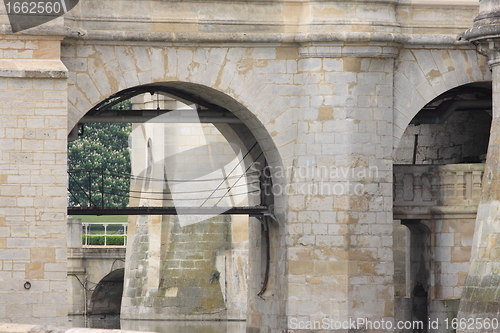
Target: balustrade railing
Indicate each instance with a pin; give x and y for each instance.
(425, 189)
(104, 234)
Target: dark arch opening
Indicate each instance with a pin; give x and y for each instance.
(438, 169)
(107, 296)
(420, 270)
(452, 128)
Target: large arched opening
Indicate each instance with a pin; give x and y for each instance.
(438, 170)
(196, 268)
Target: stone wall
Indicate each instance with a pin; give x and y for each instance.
(480, 299)
(461, 138)
(316, 110)
(434, 254)
(437, 205)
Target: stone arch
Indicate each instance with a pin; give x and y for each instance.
(222, 76)
(453, 128)
(424, 74)
(107, 295)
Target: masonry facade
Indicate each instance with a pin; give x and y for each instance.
(327, 88)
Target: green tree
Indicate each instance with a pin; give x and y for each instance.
(99, 160)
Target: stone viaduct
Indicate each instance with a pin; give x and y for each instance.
(339, 95)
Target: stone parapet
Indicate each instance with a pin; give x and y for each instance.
(216, 21)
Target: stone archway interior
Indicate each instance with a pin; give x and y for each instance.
(438, 171)
(107, 296)
(452, 128)
(186, 266)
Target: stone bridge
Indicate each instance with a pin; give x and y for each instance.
(333, 95)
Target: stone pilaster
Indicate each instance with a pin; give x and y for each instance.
(33, 111)
(76, 269)
(340, 231)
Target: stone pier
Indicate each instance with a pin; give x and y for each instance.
(33, 122)
(481, 296)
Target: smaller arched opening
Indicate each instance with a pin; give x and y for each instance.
(412, 267)
(107, 296)
(438, 171)
(420, 269)
(452, 128)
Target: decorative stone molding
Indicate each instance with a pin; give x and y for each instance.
(340, 49)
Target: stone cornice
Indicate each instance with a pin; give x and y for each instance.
(97, 253)
(263, 38)
(111, 36)
(33, 68)
(436, 212)
(52, 31)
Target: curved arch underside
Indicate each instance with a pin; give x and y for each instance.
(107, 295)
(424, 74)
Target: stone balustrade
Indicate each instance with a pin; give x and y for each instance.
(426, 191)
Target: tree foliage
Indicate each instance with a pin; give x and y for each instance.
(99, 161)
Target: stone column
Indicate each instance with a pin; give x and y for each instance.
(33, 139)
(74, 233)
(481, 296)
(340, 243)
